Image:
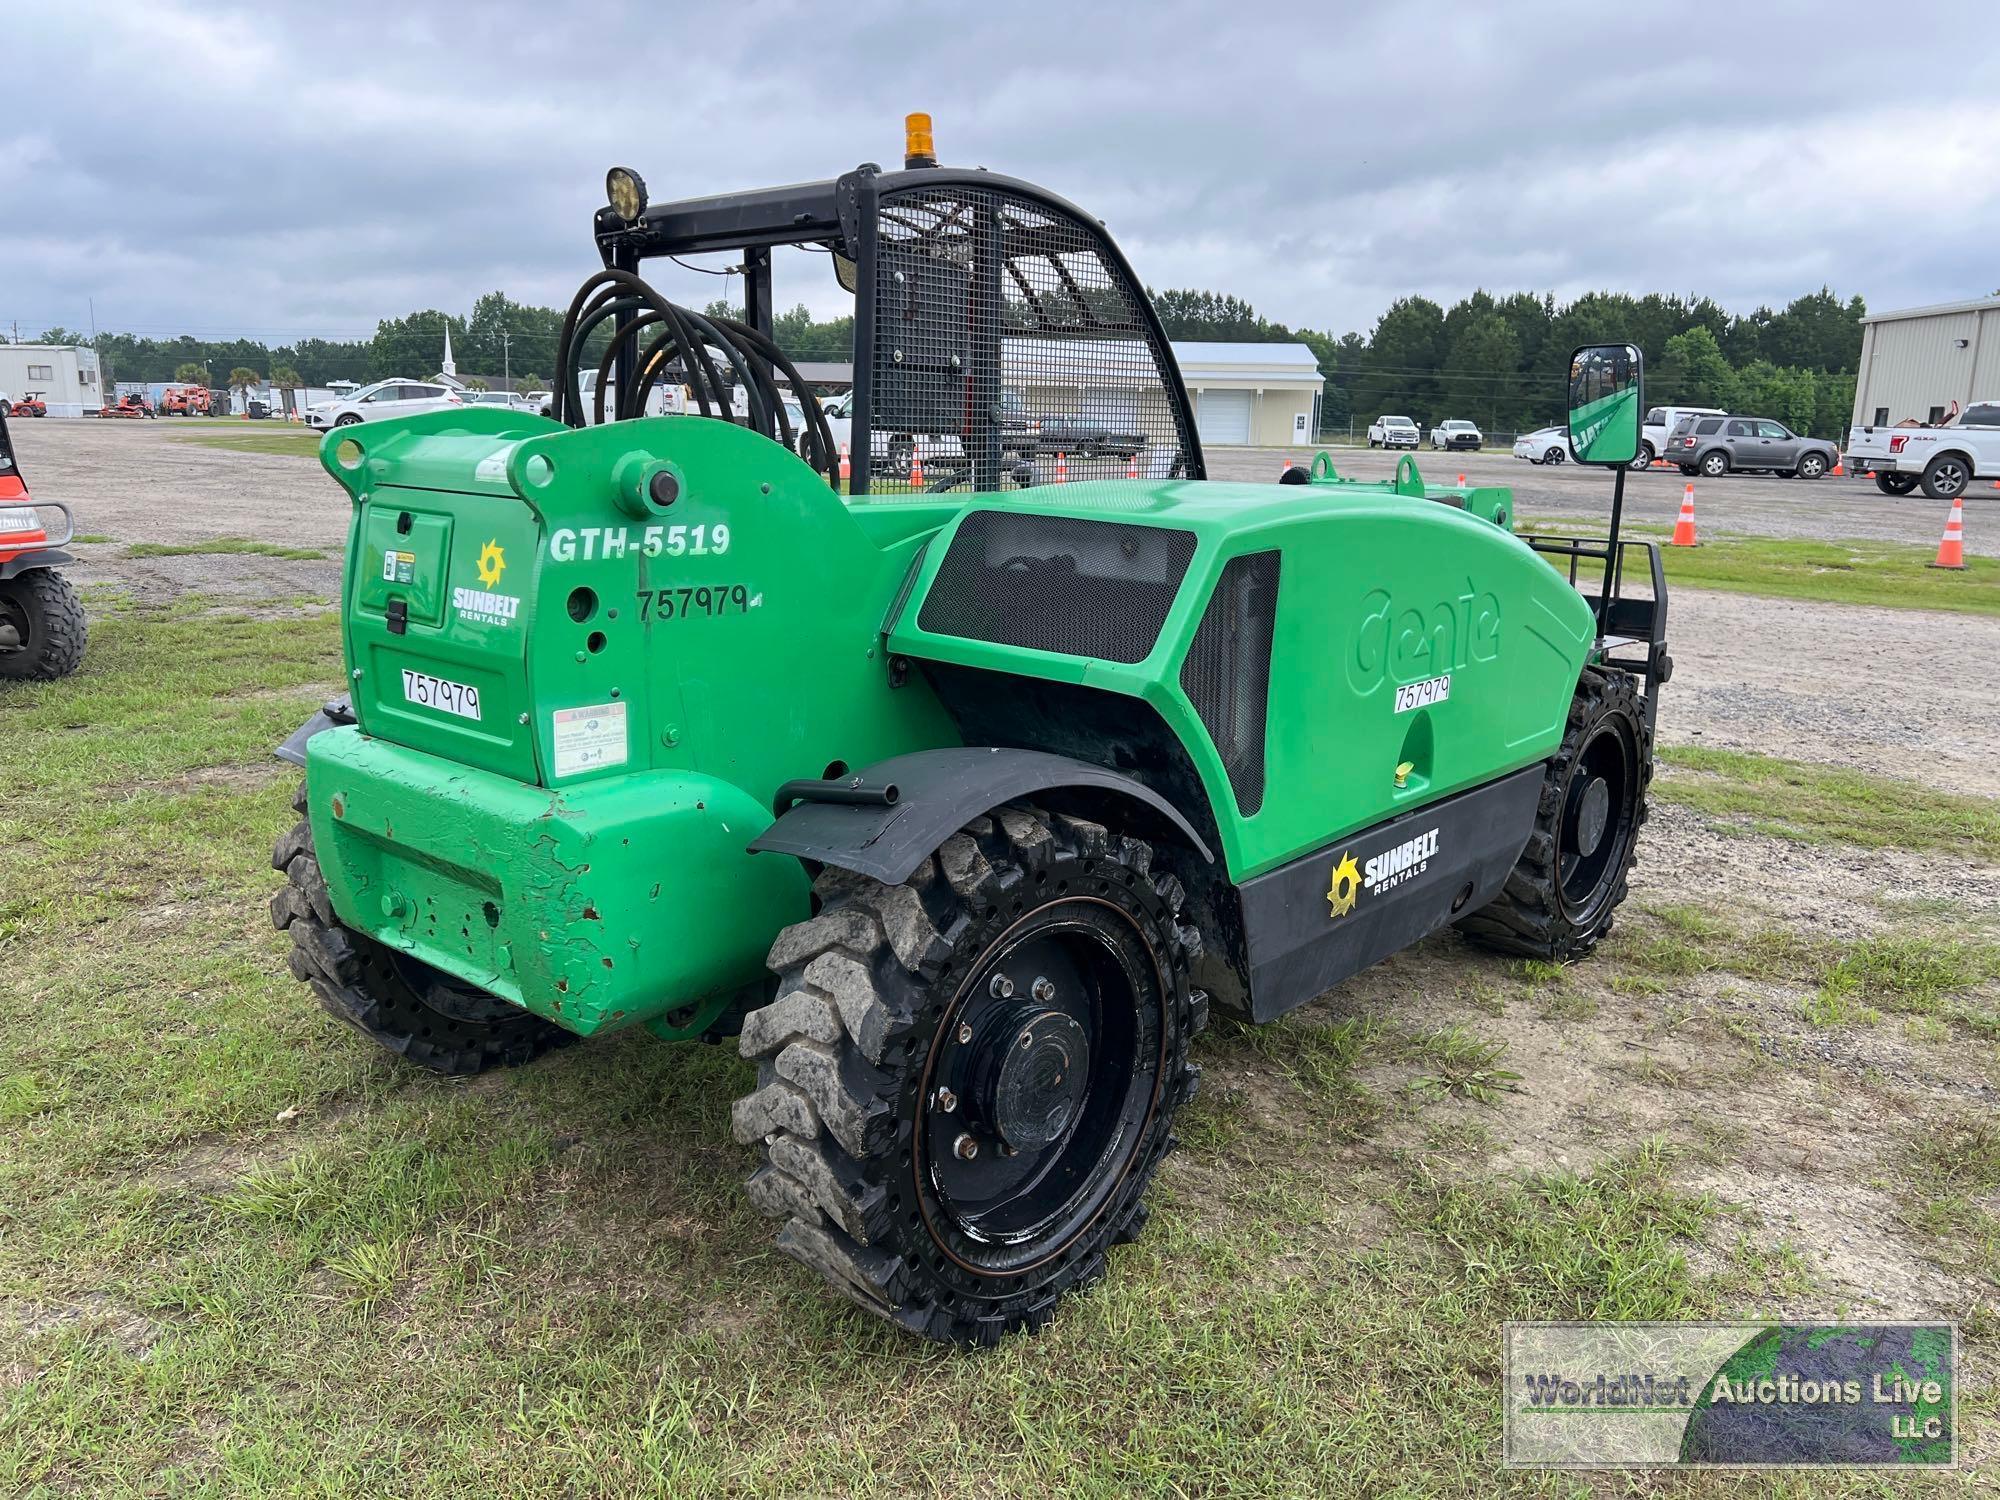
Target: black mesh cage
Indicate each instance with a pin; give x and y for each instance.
(1227, 673)
(1049, 583)
(1011, 348)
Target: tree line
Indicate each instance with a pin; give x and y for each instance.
(1497, 360)
(1501, 361)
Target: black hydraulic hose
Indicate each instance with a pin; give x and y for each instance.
(751, 357)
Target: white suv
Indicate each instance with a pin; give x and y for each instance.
(394, 397)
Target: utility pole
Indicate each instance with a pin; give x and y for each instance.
(506, 365)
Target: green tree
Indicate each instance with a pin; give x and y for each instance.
(1693, 372)
(1404, 356)
(244, 380)
(190, 373)
(1783, 392)
(476, 383)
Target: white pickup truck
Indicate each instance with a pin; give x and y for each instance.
(1393, 432)
(1944, 460)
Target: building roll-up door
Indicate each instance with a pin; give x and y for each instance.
(1224, 417)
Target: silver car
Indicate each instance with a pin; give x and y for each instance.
(1715, 446)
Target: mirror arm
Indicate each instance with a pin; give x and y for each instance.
(1612, 557)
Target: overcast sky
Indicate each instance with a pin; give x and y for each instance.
(293, 170)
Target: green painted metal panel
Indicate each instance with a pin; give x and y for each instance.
(663, 620)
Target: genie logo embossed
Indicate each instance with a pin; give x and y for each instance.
(1422, 647)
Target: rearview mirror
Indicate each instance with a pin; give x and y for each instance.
(1605, 401)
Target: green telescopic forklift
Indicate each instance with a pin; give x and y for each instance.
(956, 752)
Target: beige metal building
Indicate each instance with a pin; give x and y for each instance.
(1920, 363)
(1262, 395)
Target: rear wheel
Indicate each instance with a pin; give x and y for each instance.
(967, 1081)
(1946, 477)
(42, 628)
(1553, 456)
(1643, 459)
(419, 1013)
(1559, 901)
(1895, 484)
(1715, 464)
(1689, 470)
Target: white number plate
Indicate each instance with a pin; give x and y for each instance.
(441, 693)
(1422, 694)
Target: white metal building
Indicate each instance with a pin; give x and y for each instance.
(1260, 395)
(1919, 363)
(63, 375)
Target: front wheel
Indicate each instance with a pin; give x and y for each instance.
(42, 629)
(347, 419)
(1812, 466)
(1895, 484)
(1946, 477)
(1559, 900)
(967, 1081)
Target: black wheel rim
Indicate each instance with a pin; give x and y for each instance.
(16, 630)
(1598, 823)
(1042, 1076)
(1949, 479)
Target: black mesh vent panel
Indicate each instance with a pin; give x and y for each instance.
(1227, 673)
(1011, 350)
(1049, 583)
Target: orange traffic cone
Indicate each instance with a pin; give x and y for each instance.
(1951, 550)
(1132, 466)
(916, 471)
(1461, 481)
(1062, 468)
(846, 466)
(1684, 528)
(1836, 470)
(1288, 464)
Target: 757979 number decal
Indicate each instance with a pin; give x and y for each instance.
(709, 599)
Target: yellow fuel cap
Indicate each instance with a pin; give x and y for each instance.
(1403, 772)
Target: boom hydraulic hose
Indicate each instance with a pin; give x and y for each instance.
(710, 355)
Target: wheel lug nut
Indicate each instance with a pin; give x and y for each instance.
(1043, 989)
(966, 1147)
(946, 1100)
(964, 1032)
(1001, 988)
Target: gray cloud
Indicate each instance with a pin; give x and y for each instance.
(307, 171)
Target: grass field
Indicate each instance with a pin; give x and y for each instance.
(254, 437)
(242, 1253)
(1837, 572)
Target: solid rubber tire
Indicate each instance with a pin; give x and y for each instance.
(841, 1051)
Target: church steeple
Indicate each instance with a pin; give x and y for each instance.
(450, 366)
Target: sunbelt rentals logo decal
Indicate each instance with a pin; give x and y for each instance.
(485, 605)
(1397, 865)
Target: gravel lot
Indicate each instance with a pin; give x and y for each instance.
(1885, 690)
(1753, 504)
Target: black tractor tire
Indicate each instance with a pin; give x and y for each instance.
(1560, 899)
(923, 1214)
(42, 629)
(1947, 476)
(418, 1013)
(1895, 484)
(1813, 466)
(1714, 464)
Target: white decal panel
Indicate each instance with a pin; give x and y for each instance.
(1422, 694)
(589, 739)
(441, 693)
